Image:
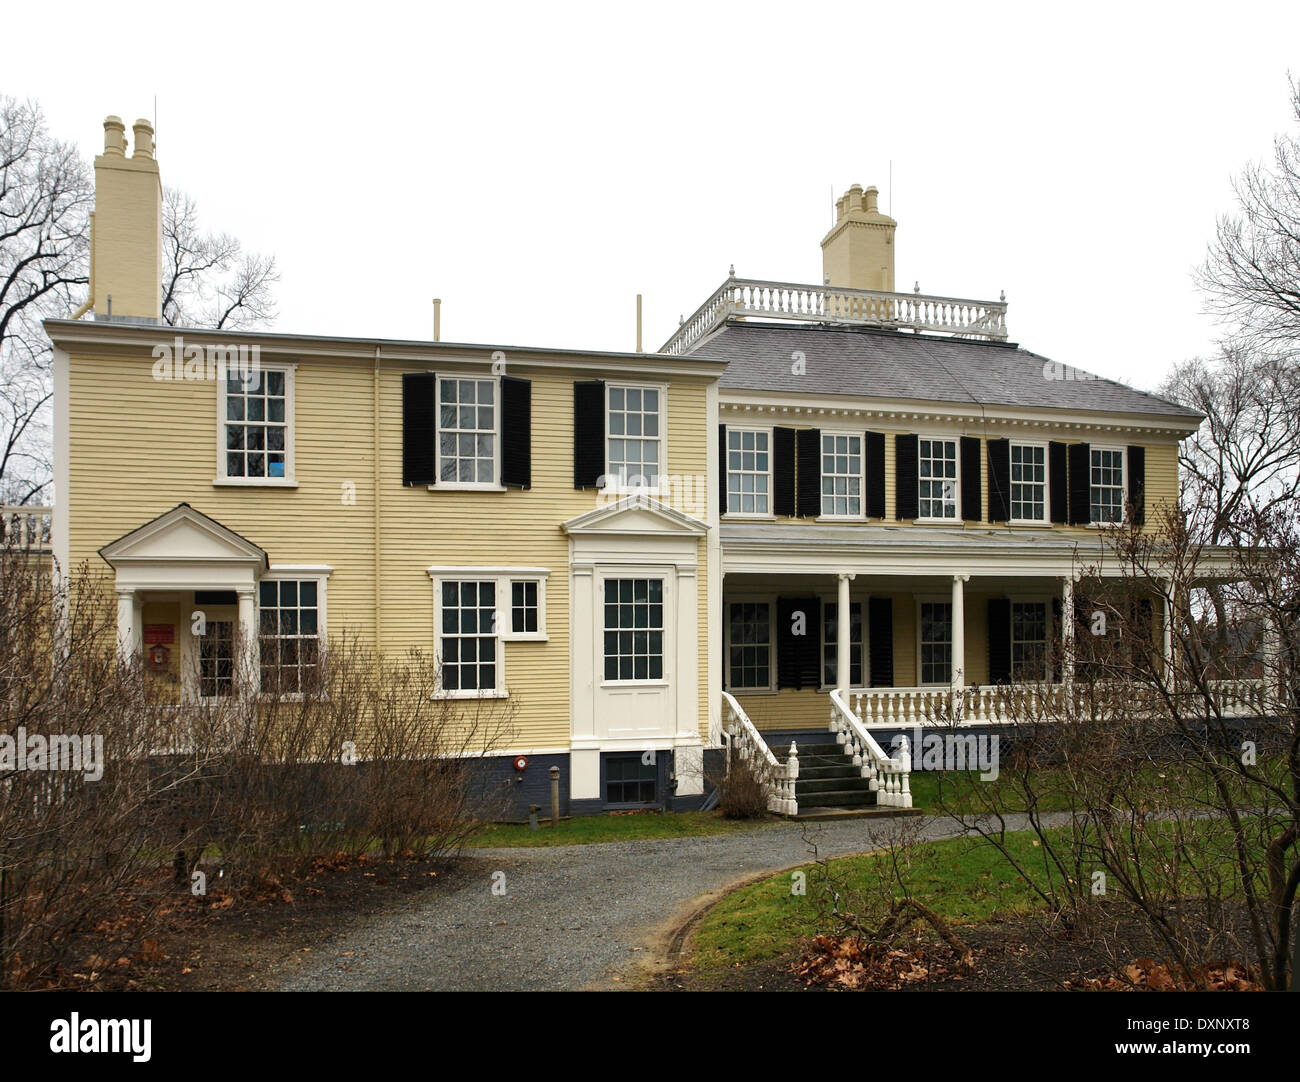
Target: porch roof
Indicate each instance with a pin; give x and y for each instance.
(761, 547)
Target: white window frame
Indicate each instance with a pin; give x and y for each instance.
(861, 516)
(290, 478)
(1123, 484)
(932, 600)
(480, 486)
(1030, 599)
(767, 515)
(613, 484)
(318, 573)
(956, 519)
(507, 604)
(503, 577)
(770, 688)
(1047, 484)
(667, 643)
(861, 602)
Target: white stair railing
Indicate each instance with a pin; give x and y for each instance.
(889, 778)
(747, 742)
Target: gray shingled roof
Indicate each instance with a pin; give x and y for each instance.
(898, 364)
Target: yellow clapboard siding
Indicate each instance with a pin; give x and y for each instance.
(139, 446)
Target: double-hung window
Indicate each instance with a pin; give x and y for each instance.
(468, 636)
(1028, 640)
(635, 443)
(291, 619)
(937, 468)
(749, 646)
(1028, 482)
(936, 642)
(467, 431)
(830, 641)
(256, 442)
(634, 629)
(749, 471)
(841, 474)
(1106, 497)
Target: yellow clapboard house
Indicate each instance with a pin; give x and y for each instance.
(809, 489)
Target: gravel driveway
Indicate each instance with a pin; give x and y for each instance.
(570, 917)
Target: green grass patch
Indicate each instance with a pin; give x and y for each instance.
(589, 829)
(965, 880)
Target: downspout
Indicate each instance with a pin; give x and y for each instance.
(378, 478)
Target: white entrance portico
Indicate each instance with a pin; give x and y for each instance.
(634, 638)
(178, 559)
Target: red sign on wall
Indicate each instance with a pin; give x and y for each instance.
(155, 634)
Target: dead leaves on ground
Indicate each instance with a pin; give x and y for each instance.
(848, 962)
(1146, 974)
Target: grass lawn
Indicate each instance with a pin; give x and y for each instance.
(584, 830)
(964, 880)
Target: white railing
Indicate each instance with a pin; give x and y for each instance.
(889, 778)
(25, 527)
(745, 741)
(831, 304)
(996, 704)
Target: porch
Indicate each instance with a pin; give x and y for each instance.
(875, 633)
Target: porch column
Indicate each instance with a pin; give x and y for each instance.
(247, 658)
(959, 632)
(843, 633)
(1272, 684)
(127, 631)
(1067, 632)
(1167, 634)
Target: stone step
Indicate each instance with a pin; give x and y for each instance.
(841, 784)
(839, 770)
(837, 798)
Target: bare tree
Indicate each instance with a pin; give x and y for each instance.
(1252, 272)
(45, 200)
(1244, 460)
(208, 279)
(46, 195)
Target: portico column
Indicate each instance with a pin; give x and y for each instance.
(1067, 632)
(248, 640)
(126, 625)
(959, 632)
(1167, 634)
(843, 633)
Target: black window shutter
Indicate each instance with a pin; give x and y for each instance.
(999, 480)
(588, 433)
(1137, 483)
(1080, 484)
(419, 428)
(783, 471)
(810, 472)
(875, 448)
(1056, 481)
(999, 640)
(880, 638)
(906, 480)
(798, 657)
(722, 469)
(516, 432)
(971, 497)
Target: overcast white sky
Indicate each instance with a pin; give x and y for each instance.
(538, 165)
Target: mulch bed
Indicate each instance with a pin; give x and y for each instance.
(227, 942)
(1024, 954)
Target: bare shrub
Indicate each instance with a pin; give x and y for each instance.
(744, 786)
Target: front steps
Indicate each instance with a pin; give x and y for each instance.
(829, 785)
